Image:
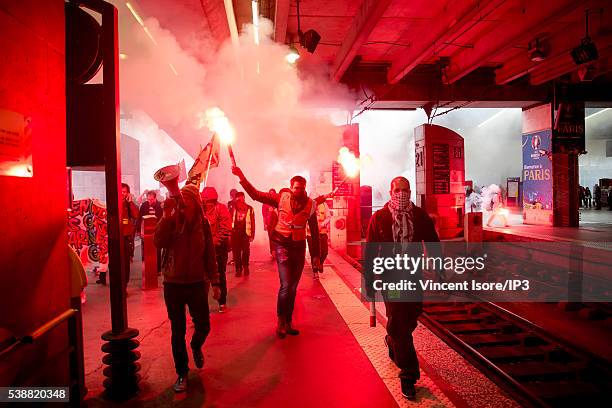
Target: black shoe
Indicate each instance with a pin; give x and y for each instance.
(387, 337)
(101, 278)
(290, 330)
(246, 271)
(408, 390)
(198, 357)
(281, 329)
(181, 384)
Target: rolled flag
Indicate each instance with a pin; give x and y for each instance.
(182, 171)
(208, 157)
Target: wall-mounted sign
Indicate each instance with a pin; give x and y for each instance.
(568, 132)
(15, 144)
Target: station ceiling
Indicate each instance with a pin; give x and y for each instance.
(408, 53)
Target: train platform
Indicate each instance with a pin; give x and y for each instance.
(595, 228)
(337, 360)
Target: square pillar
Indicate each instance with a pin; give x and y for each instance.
(552, 140)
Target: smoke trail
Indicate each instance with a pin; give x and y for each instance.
(271, 106)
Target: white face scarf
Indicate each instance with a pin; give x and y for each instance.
(403, 216)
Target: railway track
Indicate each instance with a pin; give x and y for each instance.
(533, 366)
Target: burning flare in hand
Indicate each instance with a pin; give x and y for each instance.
(215, 120)
(349, 162)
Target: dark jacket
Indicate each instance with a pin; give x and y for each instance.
(272, 199)
(189, 254)
(381, 226)
(129, 218)
(380, 230)
(144, 210)
(245, 229)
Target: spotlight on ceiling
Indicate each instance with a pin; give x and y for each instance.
(309, 40)
(538, 51)
(293, 55)
(587, 50)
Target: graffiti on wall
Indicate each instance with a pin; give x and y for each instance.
(87, 233)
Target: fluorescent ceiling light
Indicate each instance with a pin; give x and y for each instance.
(596, 113)
(255, 8)
(492, 117)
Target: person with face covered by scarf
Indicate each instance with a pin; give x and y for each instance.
(243, 233)
(220, 222)
(400, 221)
(295, 210)
(190, 269)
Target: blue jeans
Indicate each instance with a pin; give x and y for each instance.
(290, 261)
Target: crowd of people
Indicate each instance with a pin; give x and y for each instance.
(195, 234)
(595, 199)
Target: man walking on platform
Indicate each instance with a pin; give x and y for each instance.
(400, 221)
(243, 233)
(270, 217)
(189, 268)
(295, 210)
(323, 218)
(129, 219)
(150, 207)
(220, 222)
(230, 208)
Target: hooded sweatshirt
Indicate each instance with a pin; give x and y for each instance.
(189, 252)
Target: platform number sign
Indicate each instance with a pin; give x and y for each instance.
(457, 152)
(418, 158)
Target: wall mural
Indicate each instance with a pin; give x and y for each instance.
(87, 233)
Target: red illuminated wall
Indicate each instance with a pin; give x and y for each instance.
(34, 285)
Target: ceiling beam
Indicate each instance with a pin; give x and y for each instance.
(560, 45)
(477, 91)
(368, 15)
(445, 30)
(214, 12)
(564, 64)
(515, 30)
(281, 15)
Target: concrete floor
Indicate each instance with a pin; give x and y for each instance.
(245, 364)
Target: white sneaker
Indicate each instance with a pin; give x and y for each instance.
(181, 384)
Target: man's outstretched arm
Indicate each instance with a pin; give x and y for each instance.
(262, 197)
